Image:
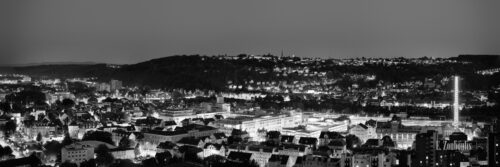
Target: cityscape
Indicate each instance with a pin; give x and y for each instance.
(130, 102)
(287, 114)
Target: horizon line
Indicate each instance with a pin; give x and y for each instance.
(224, 55)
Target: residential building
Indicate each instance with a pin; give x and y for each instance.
(239, 157)
(326, 137)
(301, 131)
(260, 154)
(318, 161)
(363, 132)
(77, 153)
(214, 149)
(280, 161)
(426, 145)
(309, 141)
(170, 147)
(493, 149)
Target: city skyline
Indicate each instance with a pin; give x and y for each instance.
(131, 32)
(222, 83)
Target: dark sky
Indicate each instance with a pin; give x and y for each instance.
(130, 31)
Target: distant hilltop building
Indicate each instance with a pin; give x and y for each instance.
(103, 87)
(112, 86)
(115, 85)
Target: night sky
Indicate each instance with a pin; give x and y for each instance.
(131, 31)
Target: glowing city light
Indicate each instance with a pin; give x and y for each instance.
(455, 102)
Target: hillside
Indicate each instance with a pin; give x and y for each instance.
(213, 72)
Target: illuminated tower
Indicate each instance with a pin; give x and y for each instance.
(455, 102)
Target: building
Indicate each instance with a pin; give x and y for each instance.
(318, 161)
(288, 139)
(170, 147)
(363, 132)
(220, 99)
(337, 148)
(150, 123)
(293, 150)
(122, 153)
(36, 113)
(77, 153)
(103, 87)
(31, 161)
(53, 97)
(214, 149)
(179, 115)
(403, 157)
(191, 141)
(239, 157)
(43, 127)
(450, 158)
(169, 125)
(220, 106)
(326, 137)
(273, 136)
(115, 85)
(153, 138)
(259, 154)
(77, 129)
(309, 141)
(457, 141)
(493, 149)
(280, 161)
(373, 158)
(404, 136)
(156, 137)
(426, 145)
(253, 124)
(301, 131)
(196, 131)
(219, 138)
(119, 134)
